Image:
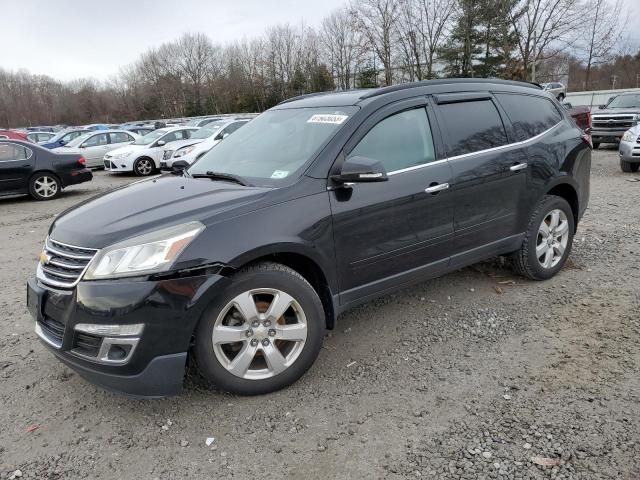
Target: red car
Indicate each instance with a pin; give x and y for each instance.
(4, 134)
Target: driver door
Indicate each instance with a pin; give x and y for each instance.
(390, 233)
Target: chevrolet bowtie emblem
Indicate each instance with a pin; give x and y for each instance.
(44, 258)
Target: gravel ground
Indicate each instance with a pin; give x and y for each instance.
(479, 374)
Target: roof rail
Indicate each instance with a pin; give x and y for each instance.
(423, 83)
(300, 97)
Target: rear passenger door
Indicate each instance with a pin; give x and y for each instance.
(489, 175)
(394, 232)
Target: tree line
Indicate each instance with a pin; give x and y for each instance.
(367, 43)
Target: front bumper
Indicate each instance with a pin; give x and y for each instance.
(168, 309)
(117, 165)
(607, 135)
(629, 152)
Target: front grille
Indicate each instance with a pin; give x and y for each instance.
(62, 265)
(53, 330)
(613, 122)
(87, 345)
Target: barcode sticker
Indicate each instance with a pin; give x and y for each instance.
(327, 118)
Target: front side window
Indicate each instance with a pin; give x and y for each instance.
(471, 127)
(400, 141)
(10, 152)
(276, 145)
(530, 115)
(96, 140)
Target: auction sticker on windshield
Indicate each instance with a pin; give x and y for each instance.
(326, 118)
(279, 174)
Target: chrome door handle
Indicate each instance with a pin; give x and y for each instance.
(518, 167)
(437, 188)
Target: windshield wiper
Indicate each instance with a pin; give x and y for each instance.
(223, 176)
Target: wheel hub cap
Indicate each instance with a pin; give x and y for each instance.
(552, 239)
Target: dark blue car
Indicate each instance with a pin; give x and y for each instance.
(64, 137)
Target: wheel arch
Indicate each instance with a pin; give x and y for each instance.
(48, 171)
(305, 263)
(569, 192)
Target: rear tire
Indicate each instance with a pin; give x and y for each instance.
(144, 166)
(548, 240)
(629, 167)
(44, 186)
(244, 347)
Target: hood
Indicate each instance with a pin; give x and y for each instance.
(149, 205)
(616, 111)
(181, 143)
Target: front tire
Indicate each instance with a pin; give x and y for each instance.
(548, 240)
(143, 167)
(629, 167)
(44, 186)
(262, 333)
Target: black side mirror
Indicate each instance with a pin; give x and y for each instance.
(179, 165)
(361, 169)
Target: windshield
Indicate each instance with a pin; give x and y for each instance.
(203, 133)
(78, 140)
(274, 146)
(149, 137)
(625, 101)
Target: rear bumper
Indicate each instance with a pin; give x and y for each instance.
(76, 176)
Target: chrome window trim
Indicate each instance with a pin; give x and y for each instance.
(479, 152)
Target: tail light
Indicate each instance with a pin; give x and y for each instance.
(82, 161)
(586, 136)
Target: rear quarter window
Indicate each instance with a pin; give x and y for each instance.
(530, 115)
(471, 127)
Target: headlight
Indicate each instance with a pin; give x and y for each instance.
(183, 151)
(167, 154)
(628, 136)
(122, 155)
(150, 253)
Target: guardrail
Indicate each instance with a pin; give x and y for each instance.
(597, 97)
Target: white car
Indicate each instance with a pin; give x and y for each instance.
(143, 156)
(94, 145)
(207, 138)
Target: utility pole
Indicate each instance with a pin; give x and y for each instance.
(533, 65)
(614, 81)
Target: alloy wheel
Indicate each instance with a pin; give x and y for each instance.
(553, 236)
(259, 334)
(45, 186)
(144, 167)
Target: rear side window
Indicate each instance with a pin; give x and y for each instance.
(529, 115)
(120, 137)
(10, 152)
(472, 126)
(400, 141)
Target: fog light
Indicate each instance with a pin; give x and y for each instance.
(118, 352)
(111, 330)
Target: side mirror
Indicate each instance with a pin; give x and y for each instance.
(179, 165)
(361, 169)
(160, 143)
(602, 107)
(225, 135)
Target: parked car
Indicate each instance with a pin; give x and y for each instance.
(141, 131)
(27, 168)
(40, 137)
(95, 145)
(612, 120)
(143, 156)
(63, 137)
(12, 134)
(556, 89)
(200, 142)
(315, 206)
(629, 150)
(41, 129)
(201, 122)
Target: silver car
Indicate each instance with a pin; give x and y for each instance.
(557, 89)
(95, 145)
(40, 137)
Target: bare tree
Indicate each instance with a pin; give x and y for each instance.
(377, 22)
(343, 44)
(544, 28)
(606, 23)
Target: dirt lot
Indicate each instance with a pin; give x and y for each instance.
(470, 376)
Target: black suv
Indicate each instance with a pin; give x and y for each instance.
(318, 204)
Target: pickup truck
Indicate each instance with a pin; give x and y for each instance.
(616, 117)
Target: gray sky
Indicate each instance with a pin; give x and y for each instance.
(69, 39)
